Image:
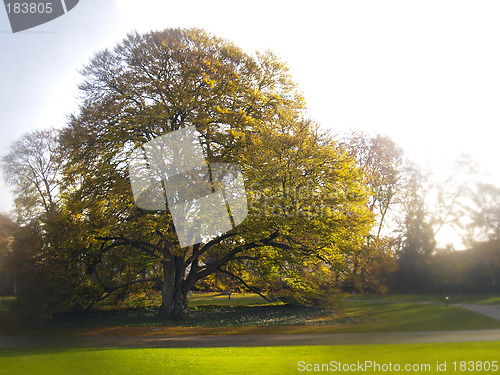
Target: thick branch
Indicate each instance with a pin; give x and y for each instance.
(230, 256)
(197, 252)
(144, 246)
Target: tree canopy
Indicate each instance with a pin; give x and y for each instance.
(307, 201)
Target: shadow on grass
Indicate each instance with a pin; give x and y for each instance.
(201, 316)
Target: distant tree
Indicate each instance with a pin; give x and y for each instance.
(7, 230)
(41, 280)
(379, 269)
(483, 232)
(45, 249)
(382, 164)
(33, 168)
(484, 214)
(417, 242)
(433, 202)
(449, 196)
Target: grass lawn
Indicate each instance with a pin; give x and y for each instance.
(244, 314)
(401, 317)
(484, 299)
(238, 299)
(5, 301)
(354, 317)
(249, 314)
(254, 360)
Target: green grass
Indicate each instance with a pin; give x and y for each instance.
(215, 314)
(484, 299)
(240, 299)
(244, 311)
(401, 317)
(253, 360)
(353, 316)
(5, 303)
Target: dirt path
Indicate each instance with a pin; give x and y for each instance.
(247, 340)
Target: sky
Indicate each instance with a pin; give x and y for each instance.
(425, 73)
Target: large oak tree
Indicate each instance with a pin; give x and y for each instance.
(306, 196)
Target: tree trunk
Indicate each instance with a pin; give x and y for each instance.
(174, 293)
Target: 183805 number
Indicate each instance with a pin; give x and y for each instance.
(29, 8)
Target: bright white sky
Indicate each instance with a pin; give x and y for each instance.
(426, 73)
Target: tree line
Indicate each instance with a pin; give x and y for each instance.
(327, 213)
